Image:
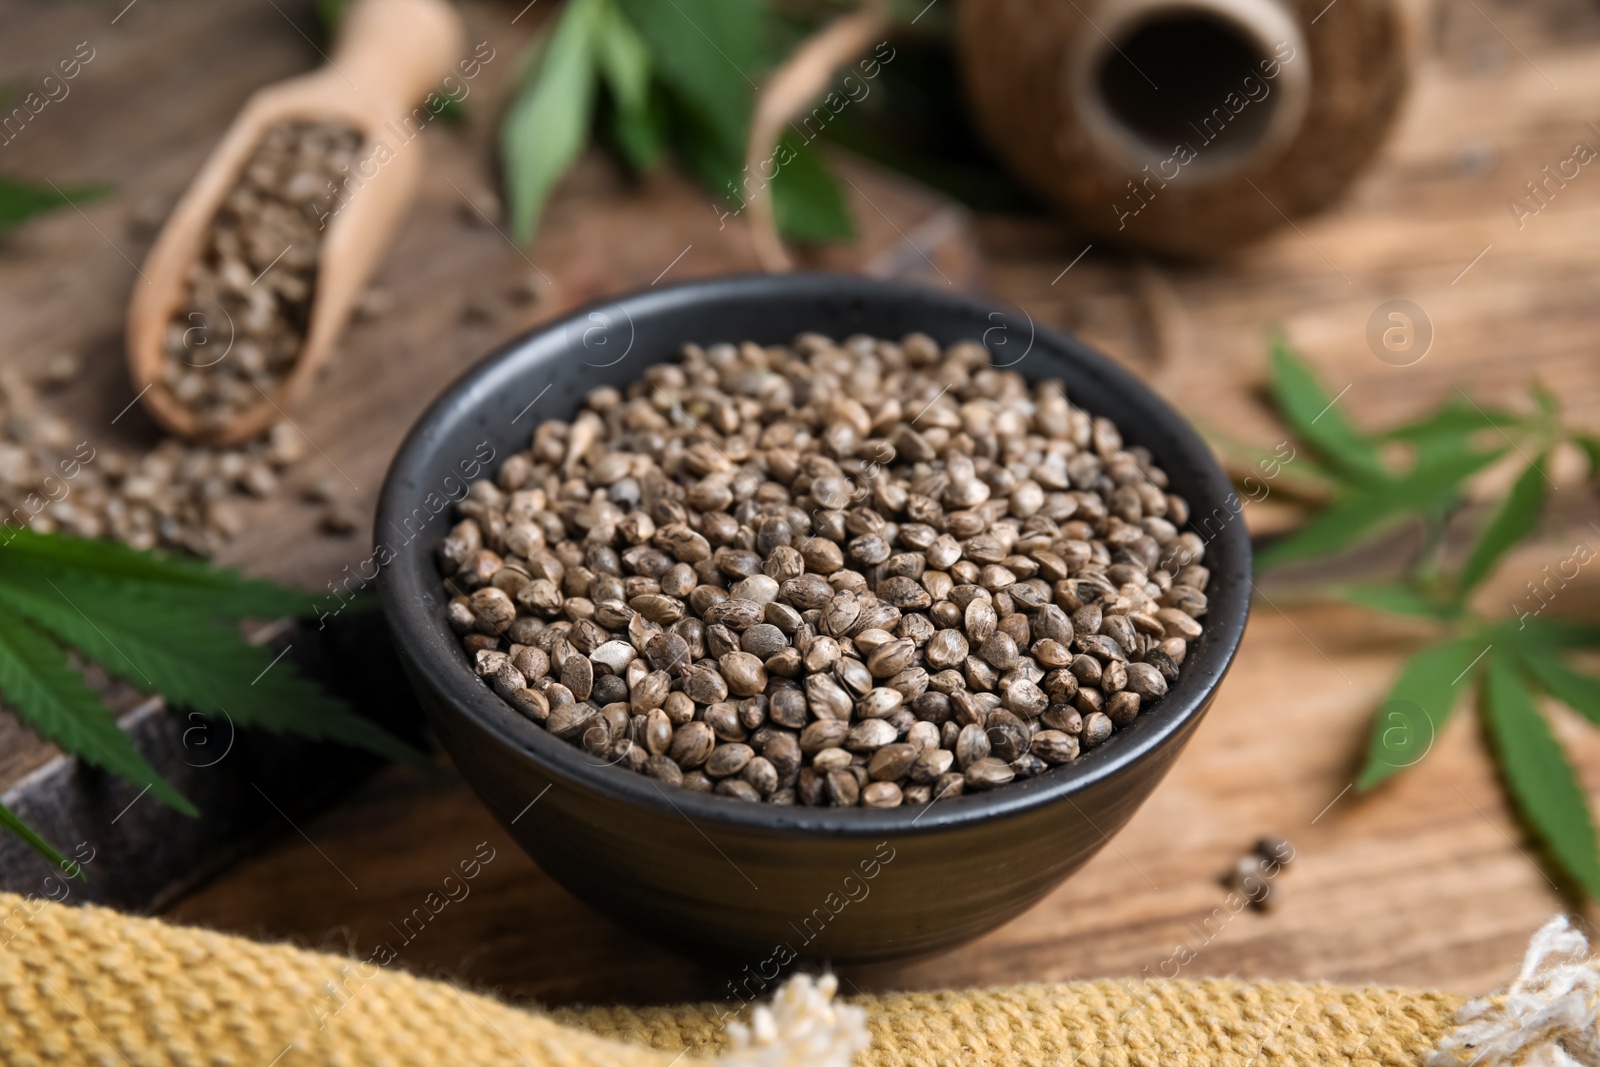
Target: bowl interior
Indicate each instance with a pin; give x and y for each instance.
(491, 412)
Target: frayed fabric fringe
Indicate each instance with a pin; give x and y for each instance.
(1545, 1018)
(804, 1027)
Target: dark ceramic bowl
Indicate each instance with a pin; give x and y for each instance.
(709, 874)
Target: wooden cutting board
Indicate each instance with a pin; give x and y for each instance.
(1428, 882)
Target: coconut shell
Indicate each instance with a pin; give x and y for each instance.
(1024, 65)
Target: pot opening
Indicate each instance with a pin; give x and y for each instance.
(1189, 75)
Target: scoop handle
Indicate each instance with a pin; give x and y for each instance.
(393, 52)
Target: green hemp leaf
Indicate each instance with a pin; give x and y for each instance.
(164, 625)
(1418, 472)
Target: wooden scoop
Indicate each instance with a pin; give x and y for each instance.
(390, 53)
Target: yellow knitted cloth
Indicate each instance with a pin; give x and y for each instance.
(91, 986)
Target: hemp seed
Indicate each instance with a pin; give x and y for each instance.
(827, 575)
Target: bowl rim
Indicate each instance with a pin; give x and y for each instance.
(444, 667)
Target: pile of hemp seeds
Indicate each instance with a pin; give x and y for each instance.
(175, 496)
(864, 573)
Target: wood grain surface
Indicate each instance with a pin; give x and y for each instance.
(1425, 882)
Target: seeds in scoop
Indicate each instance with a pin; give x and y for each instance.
(255, 277)
(707, 583)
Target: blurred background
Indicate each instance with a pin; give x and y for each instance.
(1425, 162)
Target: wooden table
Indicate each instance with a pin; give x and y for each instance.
(1426, 882)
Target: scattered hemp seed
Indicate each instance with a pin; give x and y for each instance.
(864, 573)
(340, 519)
(61, 371)
(1255, 875)
(176, 496)
(324, 490)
